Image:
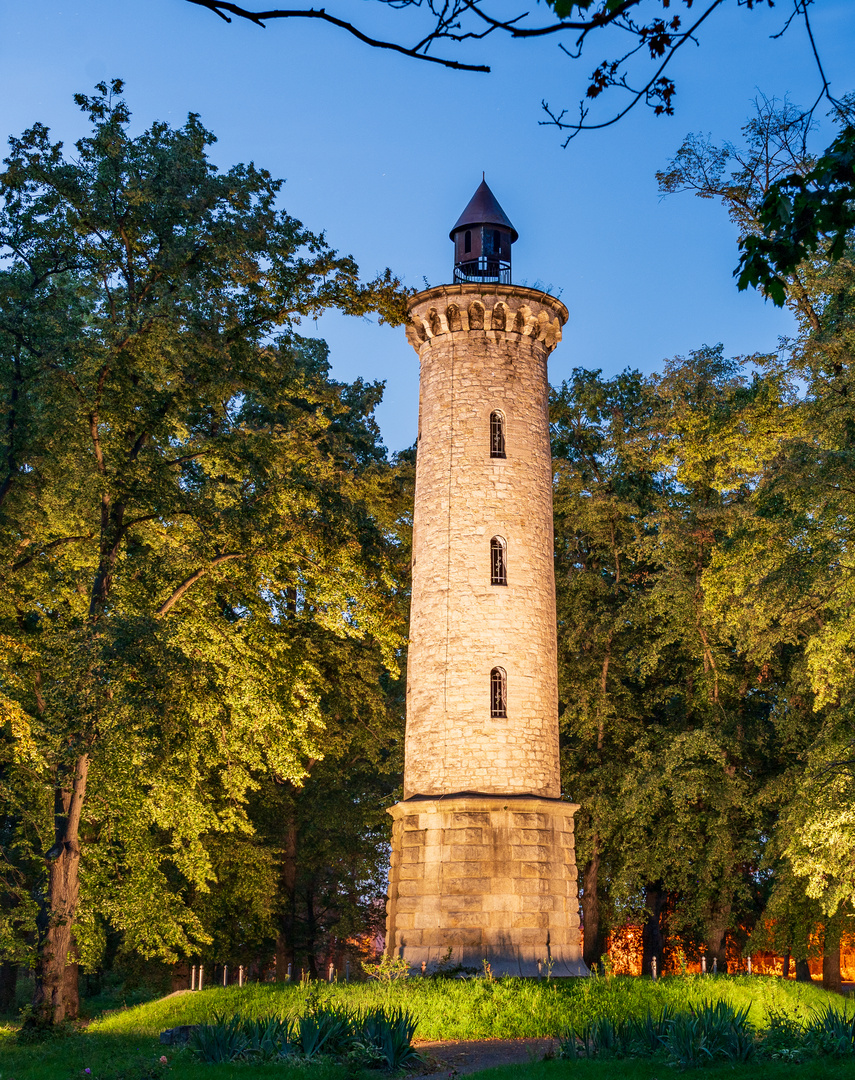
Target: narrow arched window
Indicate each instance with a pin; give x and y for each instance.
(498, 562)
(497, 435)
(467, 241)
(498, 692)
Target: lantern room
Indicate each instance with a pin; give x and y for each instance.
(482, 239)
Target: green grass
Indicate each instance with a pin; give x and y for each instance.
(127, 1058)
(123, 1044)
(478, 1009)
(656, 1070)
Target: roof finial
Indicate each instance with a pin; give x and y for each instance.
(483, 175)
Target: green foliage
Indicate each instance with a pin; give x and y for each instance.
(388, 968)
(378, 1036)
(200, 535)
(390, 1032)
(801, 214)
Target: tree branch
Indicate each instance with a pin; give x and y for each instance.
(189, 582)
(21, 563)
(221, 8)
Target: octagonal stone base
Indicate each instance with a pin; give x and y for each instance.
(490, 877)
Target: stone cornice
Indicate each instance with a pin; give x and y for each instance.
(489, 308)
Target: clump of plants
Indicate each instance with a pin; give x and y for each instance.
(711, 1032)
(377, 1038)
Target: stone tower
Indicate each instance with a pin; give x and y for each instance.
(482, 844)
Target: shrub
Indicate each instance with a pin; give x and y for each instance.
(379, 1037)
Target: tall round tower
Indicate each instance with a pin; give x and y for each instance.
(482, 851)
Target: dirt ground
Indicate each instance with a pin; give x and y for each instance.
(456, 1058)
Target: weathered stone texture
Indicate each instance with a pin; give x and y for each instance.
(496, 898)
(483, 861)
(461, 625)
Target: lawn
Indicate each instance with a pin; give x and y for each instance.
(656, 1070)
(123, 1044)
(479, 1008)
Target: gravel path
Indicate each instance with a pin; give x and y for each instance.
(456, 1058)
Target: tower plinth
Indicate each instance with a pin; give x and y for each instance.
(483, 859)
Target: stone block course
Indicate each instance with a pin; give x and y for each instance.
(513, 912)
(461, 626)
(483, 857)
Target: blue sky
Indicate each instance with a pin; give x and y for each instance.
(383, 153)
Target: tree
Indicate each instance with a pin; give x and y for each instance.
(784, 577)
(183, 494)
(801, 213)
(604, 488)
(665, 718)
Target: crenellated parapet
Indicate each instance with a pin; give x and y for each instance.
(489, 309)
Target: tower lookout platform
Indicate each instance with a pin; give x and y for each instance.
(483, 859)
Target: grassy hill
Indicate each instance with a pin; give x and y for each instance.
(478, 1008)
(122, 1044)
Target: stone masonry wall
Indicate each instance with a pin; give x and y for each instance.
(482, 349)
(489, 878)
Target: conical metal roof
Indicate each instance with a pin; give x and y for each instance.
(484, 209)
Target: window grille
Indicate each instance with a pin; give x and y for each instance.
(498, 562)
(498, 692)
(497, 435)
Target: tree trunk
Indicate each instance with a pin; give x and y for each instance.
(71, 984)
(8, 982)
(56, 992)
(652, 942)
(311, 932)
(785, 967)
(831, 966)
(285, 946)
(593, 941)
(803, 971)
(714, 939)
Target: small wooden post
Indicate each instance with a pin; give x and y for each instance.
(288, 976)
(703, 965)
(225, 974)
(347, 971)
(715, 965)
(331, 973)
(240, 975)
(653, 969)
(749, 965)
(424, 967)
(201, 974)
(193, 977)
(540, 969)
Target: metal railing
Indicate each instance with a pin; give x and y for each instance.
(485, 268)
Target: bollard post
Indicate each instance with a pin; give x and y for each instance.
(715, 965)
(201, 975)
(240, 975)
(749, 965)
(225, 974)
(347, 971)
(424, 967)
(193, 977)
(331, 973)
(288, 976)
(703, 965)
(653, 967)
(540, 969)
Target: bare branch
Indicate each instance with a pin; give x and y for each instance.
(259, 18)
